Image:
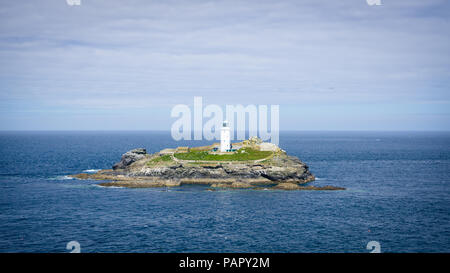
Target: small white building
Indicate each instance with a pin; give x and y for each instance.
(225, 143)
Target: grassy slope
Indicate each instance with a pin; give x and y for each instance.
(160, 160)
(247, 154)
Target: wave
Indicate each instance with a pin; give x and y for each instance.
(109, 187)
(62, 177)
(91, 171)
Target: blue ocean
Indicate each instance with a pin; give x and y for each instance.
(398, 194)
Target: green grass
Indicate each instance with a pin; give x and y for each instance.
(248, 154)
(160, 159)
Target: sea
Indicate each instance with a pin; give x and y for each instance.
(397, 197)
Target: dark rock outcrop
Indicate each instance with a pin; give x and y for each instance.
(292, 186)
(278, 169)
(234, 185)
(290, 169)
(130, 157)
(287, 186)
(138, 169)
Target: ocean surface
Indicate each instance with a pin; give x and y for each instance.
(398, 194)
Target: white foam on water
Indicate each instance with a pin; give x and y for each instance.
(320, 179)
(109, 187)
(91, 171)
(62, 177)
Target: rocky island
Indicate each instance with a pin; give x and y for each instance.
(250, 164)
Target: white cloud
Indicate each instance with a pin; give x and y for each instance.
(107, 54)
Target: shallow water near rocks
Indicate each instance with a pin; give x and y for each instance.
(398, 194)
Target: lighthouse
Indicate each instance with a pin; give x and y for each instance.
(225, 144)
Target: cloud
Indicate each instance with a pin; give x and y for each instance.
(143, 54)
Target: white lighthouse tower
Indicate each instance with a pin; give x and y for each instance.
(225, 144)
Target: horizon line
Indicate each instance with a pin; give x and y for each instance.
(160, 130)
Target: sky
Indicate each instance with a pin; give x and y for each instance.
(123, 65)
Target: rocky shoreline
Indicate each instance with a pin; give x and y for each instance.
(138, 169)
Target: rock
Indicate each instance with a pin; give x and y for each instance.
(139, 169)
(130, 157)
(265, 146)
(323, 188)
(287, 186)
(277, 169)
(282, 168)
(292, 186)
(81, 176)
(101, 175)
(241, 185)
(172, 183)
(255, 140)
(234, 185)
(130, 183)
